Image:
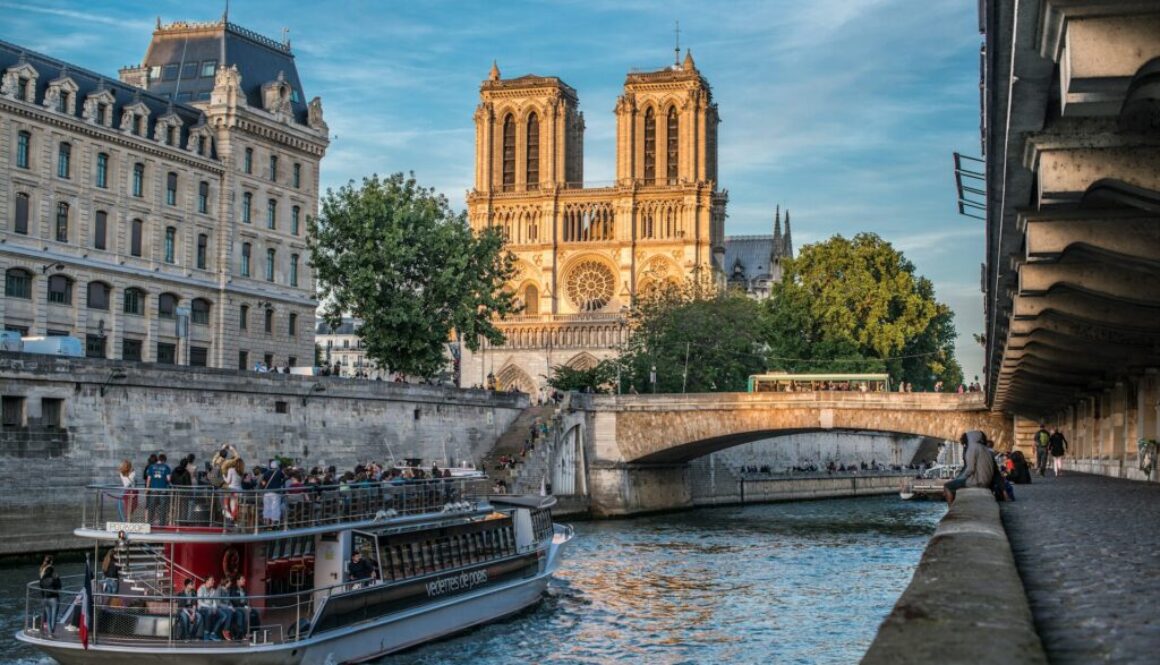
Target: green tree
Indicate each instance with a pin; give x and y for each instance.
(856, 305)
(717, 338)
(393, 254)
(600, 378)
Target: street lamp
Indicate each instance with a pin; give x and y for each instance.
(652, 378)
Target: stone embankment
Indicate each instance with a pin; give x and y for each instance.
(966, 602)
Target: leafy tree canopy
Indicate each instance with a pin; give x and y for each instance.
(856, 305)
(395, 255)
(600, 378)
(718, 339)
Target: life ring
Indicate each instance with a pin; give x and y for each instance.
(231, 561)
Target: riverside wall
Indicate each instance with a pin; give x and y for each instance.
(69, 423)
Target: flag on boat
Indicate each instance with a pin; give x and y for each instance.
(86, 603)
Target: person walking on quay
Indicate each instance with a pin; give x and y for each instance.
(1042, 440)
(1058, 446)
(978, 466)
(50, 592)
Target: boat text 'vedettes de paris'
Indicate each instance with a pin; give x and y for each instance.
(311, 575)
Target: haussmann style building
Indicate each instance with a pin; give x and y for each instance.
(161, 217)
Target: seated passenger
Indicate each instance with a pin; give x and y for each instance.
(188, 619)
(359, 571)
(245, 617)
(207, 609)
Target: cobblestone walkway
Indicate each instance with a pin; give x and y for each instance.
(1088, 551)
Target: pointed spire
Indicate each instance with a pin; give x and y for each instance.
(775, 251)
(689, 66)
(788, 250)
(493, 75)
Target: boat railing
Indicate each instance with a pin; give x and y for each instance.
(130, 617)
(206, 508)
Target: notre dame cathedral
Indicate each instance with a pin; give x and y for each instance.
(584, 253)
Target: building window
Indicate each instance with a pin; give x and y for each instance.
(202, 250)
(248, 161)
(136, 231)
(509, 153)
(94, 346)
(23, 149)
(12, 412)
(62, 222)
(243, 360)
(268, 360)
(292, 325)
(18, 283)
(131, 350)
(244, 317)
(170, 244)
(271, 214)
(102, 170)
(138, 180)
(531, 300)
(171, 189)
(189, 70)
(100, 229)
(199, 311)
(274, 168)
(170, 72)
(247, 206)
(64, 160)
(270, 257)
(166, 353)
(293, 270)
(166, 305)
(99, 295)
(51, 410)
(673, 153)
(650, 146)
(297, 182)
(20, 224)
(203, 197)
(533, 152)
(202, 145)
(103, 114)
(198, 356)
(269, 321)
(133, 302)
(22, 88)
(170, 135)
(245, 259)
(208, 68)
(60, 290)
(295, 216)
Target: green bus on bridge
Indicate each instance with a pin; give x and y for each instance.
(783, 382)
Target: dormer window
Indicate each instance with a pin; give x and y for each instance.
(20, 82)
(22, 87)
(102, 114)
(62, 102)
(170, 135)
(61, 95)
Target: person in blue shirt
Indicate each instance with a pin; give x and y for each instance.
(157, 480)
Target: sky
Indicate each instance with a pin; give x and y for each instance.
(845, 112)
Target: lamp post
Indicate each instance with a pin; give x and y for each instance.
(652, 378)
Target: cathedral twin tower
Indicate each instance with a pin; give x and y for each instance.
(584, 253)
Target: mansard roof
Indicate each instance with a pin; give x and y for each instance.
(259, 60)
(349, 326)
(88, 82)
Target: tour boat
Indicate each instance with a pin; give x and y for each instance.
(447, 557)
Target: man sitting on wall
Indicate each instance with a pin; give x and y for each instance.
(978, 466)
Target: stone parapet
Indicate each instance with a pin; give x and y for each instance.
(966, 602)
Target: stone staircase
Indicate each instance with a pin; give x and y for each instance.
(511, 442)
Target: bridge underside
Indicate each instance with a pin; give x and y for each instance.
(694, 449)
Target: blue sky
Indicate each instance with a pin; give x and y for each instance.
(844, 111)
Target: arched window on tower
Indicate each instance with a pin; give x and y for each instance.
(533, 149)
(673, 146)
(531, 300)
(650, 147)
(509, 153)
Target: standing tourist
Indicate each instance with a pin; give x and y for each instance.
(50, 592)
(128, 502)
(1058, 447)
(1042, 440)
(273, 482)
(158, 475)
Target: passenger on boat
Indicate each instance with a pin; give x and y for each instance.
(111, 584)
(359, 571)
(208, 609)
(188, 619)
(157, 499)
(274, 479)
(225, 609)
(233, 469)
(245, 617)
(50, 592)
(128, 502)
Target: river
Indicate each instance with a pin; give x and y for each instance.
(804, 582)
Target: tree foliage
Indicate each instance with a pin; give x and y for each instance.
(856, 305)
(600, 378)
(395, 255)
(717, 338)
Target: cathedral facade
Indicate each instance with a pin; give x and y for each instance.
(583, 254)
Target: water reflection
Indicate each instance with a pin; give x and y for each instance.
(785, 583)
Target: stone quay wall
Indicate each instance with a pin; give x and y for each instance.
(68, 423)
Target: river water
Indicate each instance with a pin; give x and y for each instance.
(805, 582)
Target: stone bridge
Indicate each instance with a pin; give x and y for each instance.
(637, 448)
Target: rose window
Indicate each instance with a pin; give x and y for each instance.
(590, 286)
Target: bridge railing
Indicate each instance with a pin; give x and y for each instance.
(922, 401)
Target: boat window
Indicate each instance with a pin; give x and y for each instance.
(473, 547)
